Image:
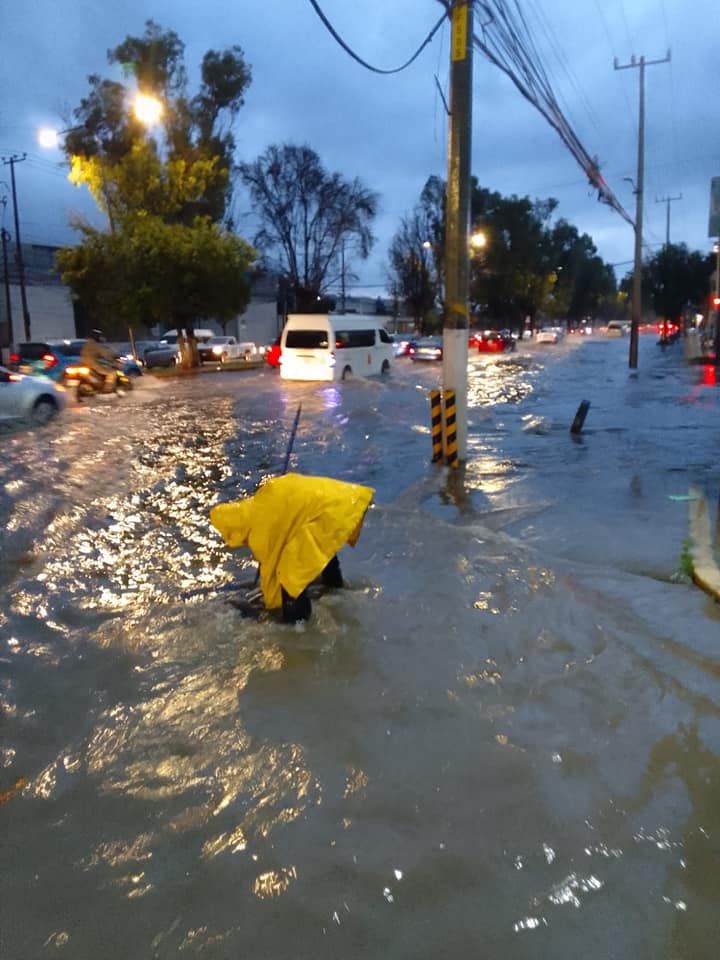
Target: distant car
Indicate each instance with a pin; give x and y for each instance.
(402, 343)
(27, 397)
(273, 353)
(493, 341)
(617, 329)
(221, 349)
(547, 336)
(427, 348)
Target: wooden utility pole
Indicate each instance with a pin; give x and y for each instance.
(455, 328)
(667, 201)
(636, 315)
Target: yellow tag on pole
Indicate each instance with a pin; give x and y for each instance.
(459, 31)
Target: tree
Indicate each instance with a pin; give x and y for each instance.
(416, 257)
(676, 277)
(124, 168)
(164, 257)
(526, 267)
(412, 271)
(157, 272)
(305, 214)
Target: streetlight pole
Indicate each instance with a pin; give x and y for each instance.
(11, 161)
(455, 328)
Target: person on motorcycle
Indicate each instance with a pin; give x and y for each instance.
(98, 358)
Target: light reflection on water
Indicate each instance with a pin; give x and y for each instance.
(472, 743)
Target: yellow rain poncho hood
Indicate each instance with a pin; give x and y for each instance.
(294, 526)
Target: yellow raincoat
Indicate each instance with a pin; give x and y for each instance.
(294, 526)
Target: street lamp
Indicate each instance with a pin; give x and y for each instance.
(147, 109)
(478, 240)
(48, 138)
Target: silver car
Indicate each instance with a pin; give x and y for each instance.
(29, 398)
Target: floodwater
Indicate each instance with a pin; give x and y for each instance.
(501, 741)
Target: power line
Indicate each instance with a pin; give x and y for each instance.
(368, 66)
(506, 41)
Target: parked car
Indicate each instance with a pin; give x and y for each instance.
(28, 397)
(125, 350)
(427, 348)
(273, 353)
(221, 349)
(164, 355)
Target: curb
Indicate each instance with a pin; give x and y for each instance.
(705, 572)
(231, 367)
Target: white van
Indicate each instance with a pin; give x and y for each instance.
(322, 346)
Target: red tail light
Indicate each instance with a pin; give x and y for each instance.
(14, 358)
(50, 360)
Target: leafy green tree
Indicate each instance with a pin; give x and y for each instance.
(676, 277)
(305, 215)
(165, 257)
(416, 255)
(155, 271)
(412, 270)
(192, 157)
(514, 277)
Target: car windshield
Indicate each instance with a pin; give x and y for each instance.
(214, 340)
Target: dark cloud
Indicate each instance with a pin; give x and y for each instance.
(391, 131)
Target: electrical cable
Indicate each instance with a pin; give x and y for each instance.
(368, 66)
(507, 43)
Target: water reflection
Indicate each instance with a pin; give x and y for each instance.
(477, 740)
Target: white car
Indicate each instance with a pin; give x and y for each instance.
(32, 398)
(547, 336)
(220, 349)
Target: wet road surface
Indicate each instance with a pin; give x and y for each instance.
(501, 740)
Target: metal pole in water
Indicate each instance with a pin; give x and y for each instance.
(579, 420)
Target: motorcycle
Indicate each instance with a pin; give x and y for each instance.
(91, 382)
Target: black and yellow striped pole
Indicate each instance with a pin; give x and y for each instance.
(450, 429)
(436, 425)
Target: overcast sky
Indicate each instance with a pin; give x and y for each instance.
(391, 131)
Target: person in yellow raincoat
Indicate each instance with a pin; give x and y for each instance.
(294, 525)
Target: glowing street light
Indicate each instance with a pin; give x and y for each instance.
(147, 109)
(48, 138)
(478, 240)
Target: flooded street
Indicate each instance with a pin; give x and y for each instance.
(501, 741)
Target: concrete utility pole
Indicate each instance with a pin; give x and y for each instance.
(11, 161)
(5, 236)
(667, 201)
(342, 276)
(457, 253)
(636, 315)
(717, 309)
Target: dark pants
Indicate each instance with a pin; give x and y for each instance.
(300, 608)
